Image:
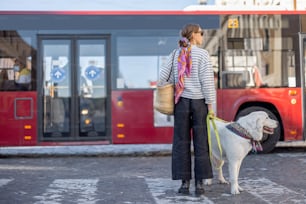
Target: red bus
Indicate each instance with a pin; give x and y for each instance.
(88, 77)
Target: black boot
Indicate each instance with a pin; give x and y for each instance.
(184, 189)
(199, 187)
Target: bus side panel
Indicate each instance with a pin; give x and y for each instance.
(133, 119)
(18, 118)
(286, 100)
(226, 100)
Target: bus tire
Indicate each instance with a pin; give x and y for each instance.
(269, 141)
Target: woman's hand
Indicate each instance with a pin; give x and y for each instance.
(211, 114)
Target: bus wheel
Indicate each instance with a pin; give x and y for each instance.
(268, 142)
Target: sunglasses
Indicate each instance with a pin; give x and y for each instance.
(201, 32)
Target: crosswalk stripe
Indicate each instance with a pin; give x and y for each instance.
(3, 182)
(164, 192)
(81, 190)
(271, 192)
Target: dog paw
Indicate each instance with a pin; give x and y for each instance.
(240, 189)
(235, 191)
(207, 182)
(223, 181)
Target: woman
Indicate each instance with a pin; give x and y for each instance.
(194, 95)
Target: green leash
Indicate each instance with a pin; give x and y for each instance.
(212, 119)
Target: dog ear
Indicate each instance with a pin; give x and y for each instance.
(259, 123)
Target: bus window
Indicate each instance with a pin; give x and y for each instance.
(15, 62)
(264, 68)
(140, 58)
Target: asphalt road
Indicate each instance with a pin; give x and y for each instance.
(278, 177)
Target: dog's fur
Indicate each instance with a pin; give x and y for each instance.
(235, 148)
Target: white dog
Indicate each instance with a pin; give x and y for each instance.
(236, 145)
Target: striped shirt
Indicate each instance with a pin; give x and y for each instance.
(200, 84)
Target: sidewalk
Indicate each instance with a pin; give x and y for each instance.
(88, 150)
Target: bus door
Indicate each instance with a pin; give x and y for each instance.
(303, 75)
(74, 90)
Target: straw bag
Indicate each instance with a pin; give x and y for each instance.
(164, 98)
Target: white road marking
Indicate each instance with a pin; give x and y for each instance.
(81, 190)
(3, 182)
(164, 191)
(271, 192)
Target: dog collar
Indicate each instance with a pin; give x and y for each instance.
(242, 132)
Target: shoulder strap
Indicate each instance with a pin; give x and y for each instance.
(173, 55)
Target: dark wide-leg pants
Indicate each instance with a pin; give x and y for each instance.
(190, 114)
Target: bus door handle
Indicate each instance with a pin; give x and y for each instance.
(23, 108)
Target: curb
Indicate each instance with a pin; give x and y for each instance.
(88, 150)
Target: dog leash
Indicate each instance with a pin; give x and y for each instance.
(212, 119)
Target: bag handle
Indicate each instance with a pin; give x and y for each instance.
(173, 55)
